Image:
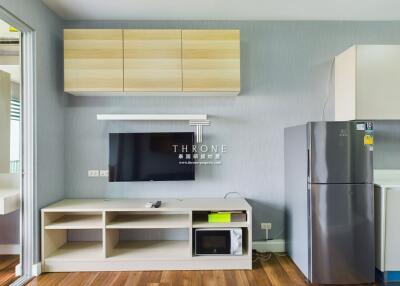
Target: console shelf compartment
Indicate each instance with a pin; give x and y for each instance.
(131, 237)
(205, 224)
(76, 221)
(150, 250)
(200, 220)
(78, 251)
(244, 256)
(144, 221)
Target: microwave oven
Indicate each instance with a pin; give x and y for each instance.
(218, 241)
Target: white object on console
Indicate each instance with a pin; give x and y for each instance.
(152, 117)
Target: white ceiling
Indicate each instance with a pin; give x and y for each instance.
(226, 9)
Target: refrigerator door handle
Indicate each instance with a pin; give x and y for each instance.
(308, 165)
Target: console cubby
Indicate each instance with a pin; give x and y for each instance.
(73, 220)
(60, 246)
(131, 244)
(200, 220)
(58, 243)
(142, 220)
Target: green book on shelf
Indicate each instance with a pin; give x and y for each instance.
(222, 217)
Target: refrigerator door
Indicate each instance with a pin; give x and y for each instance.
(341, 234)
(338, 152)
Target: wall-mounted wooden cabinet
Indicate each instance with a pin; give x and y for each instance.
(129, 61)
(152, 60)
(367, 83)
(93, 60)
(211, 60)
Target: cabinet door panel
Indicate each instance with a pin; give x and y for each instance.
(152, 60)
(211, 60)
(93, 60)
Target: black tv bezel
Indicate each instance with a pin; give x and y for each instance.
(172, 180)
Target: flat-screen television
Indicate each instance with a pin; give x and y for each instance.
(151, 157)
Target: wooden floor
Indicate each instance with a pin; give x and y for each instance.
(7, 269)
(279, 270)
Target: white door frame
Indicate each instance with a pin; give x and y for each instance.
(29, 217)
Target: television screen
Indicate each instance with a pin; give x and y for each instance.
(151, 157)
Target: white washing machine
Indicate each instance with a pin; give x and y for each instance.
(387, 224)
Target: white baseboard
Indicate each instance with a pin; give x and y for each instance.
(273, 245)
(10, 249)
(36, 269)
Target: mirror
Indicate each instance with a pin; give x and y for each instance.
(10, 145)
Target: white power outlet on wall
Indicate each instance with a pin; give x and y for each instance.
(93, 173)
(103, 173)
(266, 225)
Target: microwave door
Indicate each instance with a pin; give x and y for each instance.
(212, 242)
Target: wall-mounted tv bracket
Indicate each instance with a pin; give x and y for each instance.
(199, 128)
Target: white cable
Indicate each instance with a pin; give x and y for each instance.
(233, 193)
(328, 89)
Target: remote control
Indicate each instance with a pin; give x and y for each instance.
(157, 204)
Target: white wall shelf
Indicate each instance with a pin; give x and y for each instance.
(157, 93)
(153, 117)
(116, 216)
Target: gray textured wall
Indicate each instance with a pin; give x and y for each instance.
(285, 70)
(50, 98)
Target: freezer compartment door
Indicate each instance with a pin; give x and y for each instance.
(339, 152)
(341, 234)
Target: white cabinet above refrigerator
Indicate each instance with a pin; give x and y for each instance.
(367, 83)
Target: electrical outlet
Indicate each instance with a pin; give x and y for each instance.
(93, 173)
(266, 225)
(103, 173)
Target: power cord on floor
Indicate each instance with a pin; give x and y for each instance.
(261, 256)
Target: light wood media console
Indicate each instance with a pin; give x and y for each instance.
(109, 217)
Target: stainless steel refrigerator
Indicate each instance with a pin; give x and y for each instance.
(329, 201)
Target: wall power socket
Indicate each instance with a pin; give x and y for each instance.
(93, 173)
(266, 225)
(103, 173)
